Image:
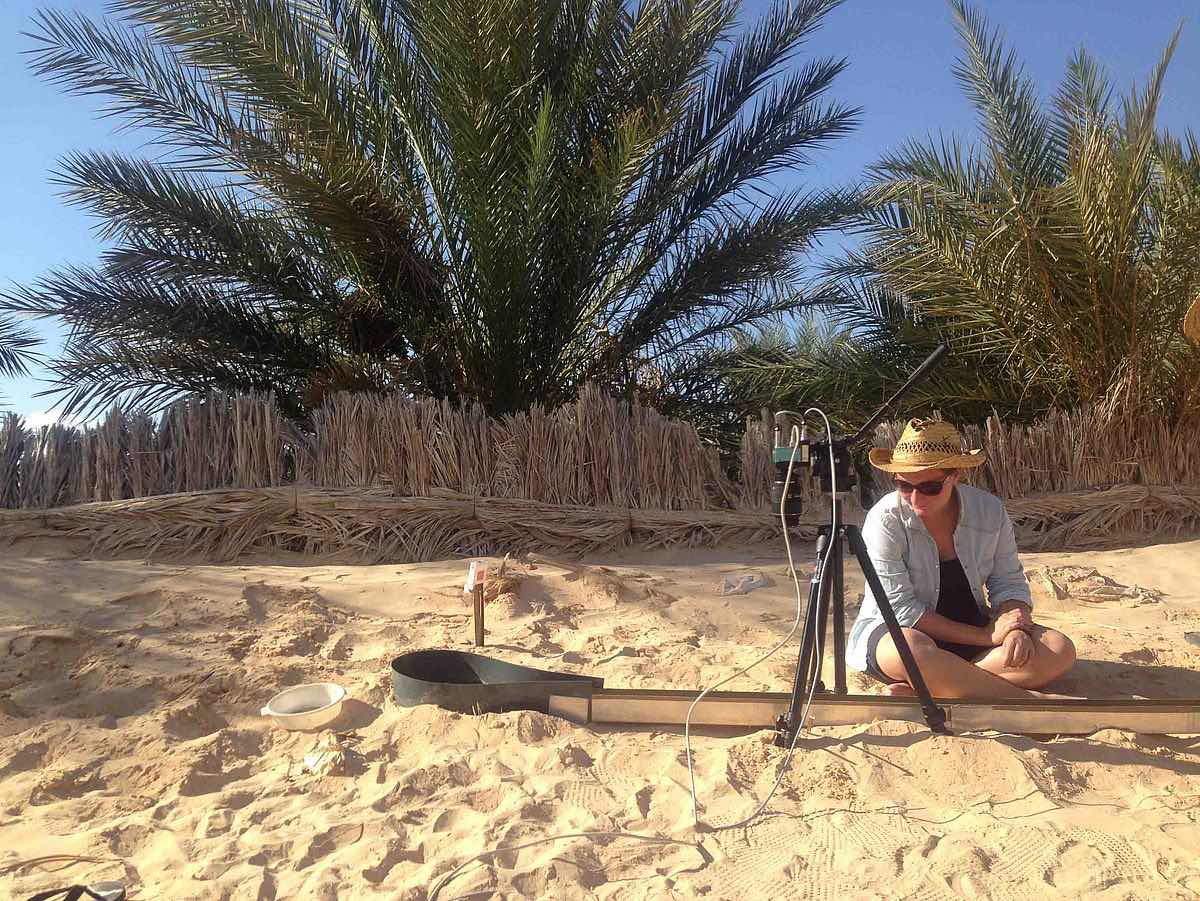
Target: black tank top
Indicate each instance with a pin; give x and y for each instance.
(956, 601)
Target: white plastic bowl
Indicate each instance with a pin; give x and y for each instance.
(306, 706)
(109, 891)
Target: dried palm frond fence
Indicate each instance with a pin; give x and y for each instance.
(369, 524)
(392, 477)
(596, 452)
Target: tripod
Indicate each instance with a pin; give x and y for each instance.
(831, 464)
(830, 574)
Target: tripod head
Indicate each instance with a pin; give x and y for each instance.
(813, 456)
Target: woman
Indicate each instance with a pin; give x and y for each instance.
(947, 559)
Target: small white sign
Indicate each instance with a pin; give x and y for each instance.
(476, 572)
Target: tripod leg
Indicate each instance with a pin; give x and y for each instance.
(808, 638)
(831, 575)
(934, 715)
(839, 620)
(808, 648)
(827, 578)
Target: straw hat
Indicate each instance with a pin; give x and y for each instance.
(926, 444)
(1191, 321)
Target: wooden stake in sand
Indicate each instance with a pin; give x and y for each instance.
(476, 578)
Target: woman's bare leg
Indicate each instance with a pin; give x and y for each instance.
(946, 674)
(1053, 655)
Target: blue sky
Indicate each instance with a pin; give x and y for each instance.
(900, 54)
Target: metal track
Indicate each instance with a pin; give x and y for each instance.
(762, 709)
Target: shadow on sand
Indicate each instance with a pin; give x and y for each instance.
(1115, 679)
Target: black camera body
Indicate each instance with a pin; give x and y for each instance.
(809, 460)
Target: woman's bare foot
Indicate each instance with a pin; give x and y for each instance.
(899, 690)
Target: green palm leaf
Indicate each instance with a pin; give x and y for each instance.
(16, 344)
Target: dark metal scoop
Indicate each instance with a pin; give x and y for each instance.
(472, 683)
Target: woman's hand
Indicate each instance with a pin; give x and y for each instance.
(1017, 618)
(1018, 649)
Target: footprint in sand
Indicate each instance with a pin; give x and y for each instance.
(457, 819)
(55, 649)
(398, 851)
(30, 757)
(142, 611)
(1141, 655)
(191, 720)
(325, 843)
(61, 783)
(1090, 860)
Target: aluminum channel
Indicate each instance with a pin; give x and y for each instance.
(761, 710)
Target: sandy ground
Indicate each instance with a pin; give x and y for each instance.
(131, 747)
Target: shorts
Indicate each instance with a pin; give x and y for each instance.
(969, 652)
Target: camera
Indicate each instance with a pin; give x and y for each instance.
(809, 460)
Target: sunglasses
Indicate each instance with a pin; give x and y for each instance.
(929, 489)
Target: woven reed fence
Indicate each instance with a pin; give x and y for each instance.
(596, 452)
(401, 478)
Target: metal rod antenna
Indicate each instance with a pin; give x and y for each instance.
(919, 375)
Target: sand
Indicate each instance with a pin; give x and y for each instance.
(131, 747)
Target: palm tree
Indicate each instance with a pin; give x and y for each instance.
(1057, 256)
(496, 201)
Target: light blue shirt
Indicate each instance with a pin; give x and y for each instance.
(909, 566)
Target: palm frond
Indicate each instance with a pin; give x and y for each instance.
(1011, 117)
(16, 346)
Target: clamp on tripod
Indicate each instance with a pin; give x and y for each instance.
(831, 464)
